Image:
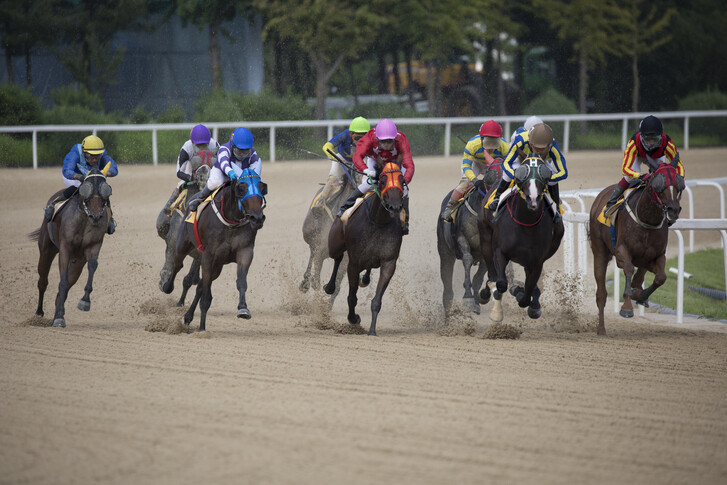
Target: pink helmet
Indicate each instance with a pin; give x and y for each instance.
(386, 129)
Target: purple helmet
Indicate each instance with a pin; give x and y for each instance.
(200, 135)
(386, 130)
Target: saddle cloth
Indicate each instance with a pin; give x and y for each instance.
(610, 219)
(193, 214)
(348, 212)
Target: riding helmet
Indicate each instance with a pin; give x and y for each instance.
(241, 138)
(359, 125)
(386, 130)
(651, 125)
(93, 145)
(200, 135)
(541, 136)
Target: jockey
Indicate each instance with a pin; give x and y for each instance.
(343, 143)
(538, 141)
(651, 145)
(199, 139)
(478, 156)
(88, 154)
(529, 123)
(378, 147)
(232, 158)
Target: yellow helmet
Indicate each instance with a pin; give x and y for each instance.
(93, 145)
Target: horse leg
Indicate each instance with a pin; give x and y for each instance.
(500, 263)
(190, 279)
(637, 286)
(365, 279)
(601, 258)
(330, 287)
(534, 310)
(168, 268)
(353, 278)
(244, 259)
(659, 278)
(44, 263)
(206, 294)
(624, 261)
(467, 262)
(306, 283)
(385, 274)
(496, 314)
(446, 270)
(69, 275)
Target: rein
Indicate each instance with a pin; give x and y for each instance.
(509, 205)
(633, 212)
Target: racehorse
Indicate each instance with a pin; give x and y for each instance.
(76, 234)
(372, 238)
(222, 233)
(460, 239)
(523, 231)
(316, 229)
(168, 224)
(638, 240)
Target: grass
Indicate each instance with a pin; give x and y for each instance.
(707, 269)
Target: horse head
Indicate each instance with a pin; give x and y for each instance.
(493, 173)
(250, 194)
(665, 187)
(391, 178)
(93, 194)
(201, 164)
(531, 177)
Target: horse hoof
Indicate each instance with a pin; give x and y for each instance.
(534, 313)
(304, 286)
(514, 290)
(84, 306)
(626, 313)
(485, 295)
(644, 303)
(59, 322)
(244, 313)
(601, 331)
(355, 320)
(329, 289)
(365, 280)
(372, 333)
(496, 315)
(472, 305)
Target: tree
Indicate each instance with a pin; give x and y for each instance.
(211, 13)
(328, 31)
(594, 29)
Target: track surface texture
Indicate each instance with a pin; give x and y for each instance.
(292, 396)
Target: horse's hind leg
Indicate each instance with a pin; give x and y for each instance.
(44, 264)
(306, 283)
(601, 258)
(205, 299)
(353, 277)
(190, 279)
(365, 279)
(330, 287)
(69, 273)
(446, 269)
(385, 274)
(477, 284)
(244, 259)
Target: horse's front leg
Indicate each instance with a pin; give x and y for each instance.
(659, 278)
(637, 286)
(446, 270)
(44, 263)
(92, 257)
(69, 271)
(477, 284)
(601, 257)
(524, 295)
(190, 279)
(330, 287)
(385, 274)
(353, 280)
(500, 264)
(623, 260)
(467, 261)
(206, 294)
(306, 283)
(244, 259)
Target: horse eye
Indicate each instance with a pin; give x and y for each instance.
(522, 172)
(105, 190)
(85, 190)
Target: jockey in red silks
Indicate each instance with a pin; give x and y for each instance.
(651, 145)
(378, 147)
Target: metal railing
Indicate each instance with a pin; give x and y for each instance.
(507, 121)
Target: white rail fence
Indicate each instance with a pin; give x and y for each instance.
(508, 123)
(575, 240)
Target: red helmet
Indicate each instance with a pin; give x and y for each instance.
(491, 128)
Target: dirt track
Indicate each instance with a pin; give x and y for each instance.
(285, 398)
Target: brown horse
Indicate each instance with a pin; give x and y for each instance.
(224, 233)
(372, 238)
(524, 232)
(76, 234)
(168, 224)
(639, 238)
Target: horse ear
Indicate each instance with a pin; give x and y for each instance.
(681, 184)
(675, 160)
(263, 187)
(658, 183)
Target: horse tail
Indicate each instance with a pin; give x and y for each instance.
(33, 236)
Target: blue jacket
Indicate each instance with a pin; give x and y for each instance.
(342, 143)
(75, 163)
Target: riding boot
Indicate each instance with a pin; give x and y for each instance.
(614, 197)
(67, 194)
(112, 223)
(447, 212)
(555, 195)
(197, 199)
(168, 206)
(405, 207)
(504, 184)
(349, 202)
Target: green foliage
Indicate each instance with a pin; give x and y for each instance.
(707, 269)
(706, 100)
(173, 114)
(16, 151)
(71, 95)
(551, 102)
(18, 106)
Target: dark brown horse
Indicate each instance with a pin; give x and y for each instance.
(168, 224)
(372, 238)
(523, 231)
(639, 238)
(76, 234)
(224, 233)
(460, 239)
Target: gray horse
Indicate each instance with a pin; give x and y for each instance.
(168, 226)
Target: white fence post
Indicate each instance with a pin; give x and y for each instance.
(272, 144)
(447, 137)
(35, 148)
(154, 147)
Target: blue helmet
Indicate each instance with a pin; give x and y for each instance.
(241, 138)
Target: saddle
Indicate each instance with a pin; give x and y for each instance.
(609, 219)
(180, 203)
(193, 214)
(462, 202)
(57, 207)
(349, 212)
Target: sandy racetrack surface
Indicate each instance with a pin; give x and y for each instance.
(288, 397)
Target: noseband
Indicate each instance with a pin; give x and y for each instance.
(393, 181)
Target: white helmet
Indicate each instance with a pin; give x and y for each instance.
(531, 121)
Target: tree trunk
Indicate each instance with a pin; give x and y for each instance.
(352, 78)
(381, 62)
(9, 66)
(637, 87)
(501, 108)
(28, 71)
(409, 77)
(431, 95)
(582, 86)
(395, 71)
(278, 82)
(215, 54)
(323, 75)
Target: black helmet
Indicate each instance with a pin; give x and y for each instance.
(651, 125)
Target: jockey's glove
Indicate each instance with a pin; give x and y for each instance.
(232, 175)
(370, 172)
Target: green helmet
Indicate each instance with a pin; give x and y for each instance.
(359, 125)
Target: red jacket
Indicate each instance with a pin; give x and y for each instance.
(368, 146)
